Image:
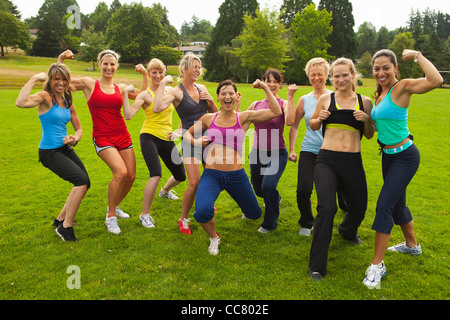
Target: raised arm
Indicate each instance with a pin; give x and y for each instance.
(321, 113)
(25, 99)
(432, 79)
(293, 132)
(130, 111)
(164, 99)
(266, 114)
(289, 109)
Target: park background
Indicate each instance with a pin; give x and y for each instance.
(161, 263)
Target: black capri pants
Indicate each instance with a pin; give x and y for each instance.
(65, 163)
(333, 169)
(152, 147)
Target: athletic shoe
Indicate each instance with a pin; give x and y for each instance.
(263, 230)
(374, 273)
(315, 275)
(183, 225)
(56, 222)
(403, 248)
(305, 232)
(169, 195)
(147, 221)
(66, 234)
(111, 225)
(120, 213)
(214, 245)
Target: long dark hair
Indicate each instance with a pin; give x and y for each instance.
(384, 53)
(62, 70)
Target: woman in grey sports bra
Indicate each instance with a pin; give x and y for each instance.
(191, 101)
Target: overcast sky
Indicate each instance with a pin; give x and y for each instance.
(389, 13)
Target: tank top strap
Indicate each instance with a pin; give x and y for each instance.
(332, 106)
(360, 102)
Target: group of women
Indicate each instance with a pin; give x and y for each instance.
(213, 137)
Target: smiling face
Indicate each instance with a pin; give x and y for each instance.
(273, 84)
(195, 71)
(317, 76)
(58, 83)
(156, 76)
(108, 66)
(384, 71)
(343, 77)
(227, 97)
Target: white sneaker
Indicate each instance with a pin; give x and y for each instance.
(374, 273)
(214, 245)
(111, 225)
(169, 195)
(264, 230)
(305, 232)
(121, 214)
(403, 248)
(147, 221)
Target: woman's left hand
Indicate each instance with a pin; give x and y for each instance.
(361, 116)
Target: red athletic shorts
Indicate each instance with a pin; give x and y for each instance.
(120, 143)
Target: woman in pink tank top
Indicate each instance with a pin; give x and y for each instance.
(223, 168)
(111, 138)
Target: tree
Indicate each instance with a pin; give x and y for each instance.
(228, 26)
(196, 30)
(307, 42)
(132, 32)
(263, 46)
(92, 43)
(162, 13)
(49, 36)
(290, 8)
(367, 35)
(407, 69)
(9, 6)
(383, 39)
(342, 40)
(13, 32)
(99, 18)
(166, 54)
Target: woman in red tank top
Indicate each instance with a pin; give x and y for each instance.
(110, 134)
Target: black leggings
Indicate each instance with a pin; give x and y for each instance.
(305, 185)
(65, 163)
(333, 169)
(152, 147)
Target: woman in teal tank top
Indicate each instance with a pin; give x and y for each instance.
(401, 157)
(55, 110)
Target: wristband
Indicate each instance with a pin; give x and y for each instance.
(417, 55)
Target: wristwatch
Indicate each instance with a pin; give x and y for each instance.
(417, 56)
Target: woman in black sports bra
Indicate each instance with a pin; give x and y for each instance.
(345, 116)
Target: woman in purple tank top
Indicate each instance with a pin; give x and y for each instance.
(269, 156)
(223, 153)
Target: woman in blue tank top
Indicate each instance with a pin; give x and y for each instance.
(191, 102)
(317, 70)
(55, 110)
(401, 157)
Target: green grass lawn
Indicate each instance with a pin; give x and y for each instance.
(162, 264)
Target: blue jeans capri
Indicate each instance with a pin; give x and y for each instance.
(398, 170)
(238, 186)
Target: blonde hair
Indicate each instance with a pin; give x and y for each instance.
(187, 63)
(62, 70)
(156, 64)
(107, 52)
(349, 63)
(317, 62)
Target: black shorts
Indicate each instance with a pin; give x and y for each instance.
(65, 163)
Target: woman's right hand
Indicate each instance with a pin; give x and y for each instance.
(68, 54)
(40, 77)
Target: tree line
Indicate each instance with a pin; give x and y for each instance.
(245, 40)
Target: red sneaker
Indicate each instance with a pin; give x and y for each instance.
(183, 225)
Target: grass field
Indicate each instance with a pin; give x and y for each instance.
(161, 263)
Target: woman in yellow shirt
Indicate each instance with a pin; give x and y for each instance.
(155, 137)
